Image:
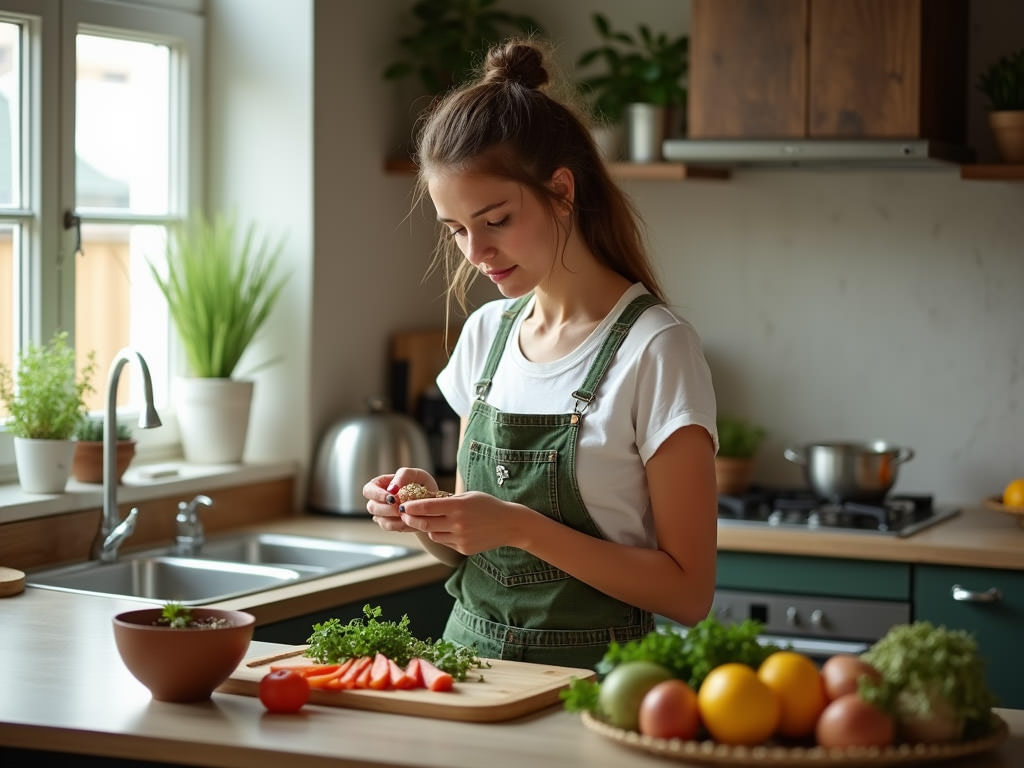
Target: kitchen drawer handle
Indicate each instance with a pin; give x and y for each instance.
(962, 595)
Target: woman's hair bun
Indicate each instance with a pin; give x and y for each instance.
(517, 62)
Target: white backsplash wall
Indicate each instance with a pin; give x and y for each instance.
(858, 305)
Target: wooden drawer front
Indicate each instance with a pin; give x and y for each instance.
(832, 577)
(997, 626)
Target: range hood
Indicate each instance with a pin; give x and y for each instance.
(817, 153)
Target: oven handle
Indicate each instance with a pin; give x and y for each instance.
(964, 595)
(816, 647)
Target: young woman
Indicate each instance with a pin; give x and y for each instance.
(585, 499)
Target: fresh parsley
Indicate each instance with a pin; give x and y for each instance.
(332, 642)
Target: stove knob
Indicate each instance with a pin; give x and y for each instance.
(792, 616)
(818, 618)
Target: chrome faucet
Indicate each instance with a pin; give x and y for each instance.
(189, 536)
(114, 531)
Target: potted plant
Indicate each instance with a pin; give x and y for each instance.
(644, 77)
(1003, 83)
(451, 40)
(220, 287)
(87, 464)
(45, 402)
(738, 441)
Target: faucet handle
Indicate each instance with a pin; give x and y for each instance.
(190, 536)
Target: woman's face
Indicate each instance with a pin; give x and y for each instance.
(500, 226)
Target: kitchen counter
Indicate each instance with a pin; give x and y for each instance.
(65, 688)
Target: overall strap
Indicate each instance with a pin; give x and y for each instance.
(616, 335)
(508, 317)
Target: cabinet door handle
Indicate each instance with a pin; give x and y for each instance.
(962, 595)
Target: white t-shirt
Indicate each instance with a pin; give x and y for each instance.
(658, 382)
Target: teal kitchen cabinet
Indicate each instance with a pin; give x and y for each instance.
(427, 607)
(988, 603)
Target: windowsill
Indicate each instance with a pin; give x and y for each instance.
(141, 483)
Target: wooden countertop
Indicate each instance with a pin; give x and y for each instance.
(67, 690)
(975, 537)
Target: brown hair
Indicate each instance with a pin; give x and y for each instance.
(505, 124)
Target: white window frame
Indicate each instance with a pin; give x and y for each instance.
(47, 297)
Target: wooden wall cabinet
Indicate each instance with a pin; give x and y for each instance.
(765, 69)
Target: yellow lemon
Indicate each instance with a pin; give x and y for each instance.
(800, 688)
(1013, 494)
(736, 707)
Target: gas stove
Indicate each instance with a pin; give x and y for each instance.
(896, 515)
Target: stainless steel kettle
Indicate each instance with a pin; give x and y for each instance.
(357, 449)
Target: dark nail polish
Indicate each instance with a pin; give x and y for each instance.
(401, 508)
(390, 499)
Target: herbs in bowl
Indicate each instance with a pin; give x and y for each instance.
(182, 654)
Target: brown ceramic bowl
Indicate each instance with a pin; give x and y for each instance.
(182, 664)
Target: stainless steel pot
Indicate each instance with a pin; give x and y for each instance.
(842, 472)
(357, 449)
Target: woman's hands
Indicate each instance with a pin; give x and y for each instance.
(468, 522)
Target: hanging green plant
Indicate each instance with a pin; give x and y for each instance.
(452, 38)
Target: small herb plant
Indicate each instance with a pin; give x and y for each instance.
(220, 289)
(642, 68)
(90, 429)
(178, 616)
(48, 401)
(738, 438)
(451, 40)
(1003, 82)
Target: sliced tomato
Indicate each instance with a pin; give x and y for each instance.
(380, 673)
(435, 679)
(413, 672)
(400, 679)
(348, 680)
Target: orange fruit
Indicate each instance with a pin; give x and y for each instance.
(736, 707)
(796, 681)
(1013, 494)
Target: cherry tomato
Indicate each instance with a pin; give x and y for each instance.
(284, 691)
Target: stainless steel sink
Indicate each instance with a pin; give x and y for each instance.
(224, 568)
(299, 551)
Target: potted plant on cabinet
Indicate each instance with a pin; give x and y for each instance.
(1003, 83)
(45, 402)
(87, 464)
(643, 79)
(220, 287)
(738, 441)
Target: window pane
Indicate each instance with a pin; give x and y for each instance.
(10, 115)
(118, 305)
(122, 125)
(8, 306)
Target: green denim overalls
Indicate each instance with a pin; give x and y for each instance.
(508, 603)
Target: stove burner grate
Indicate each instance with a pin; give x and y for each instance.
(896, 515)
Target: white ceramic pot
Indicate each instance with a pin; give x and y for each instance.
(44, 466)
(213, 416)
(645, 132)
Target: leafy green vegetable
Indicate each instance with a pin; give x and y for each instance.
(930, 672)
(176, 615)
(333, 641)
(689, 657)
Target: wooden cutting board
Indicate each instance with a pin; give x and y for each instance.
(508, 689)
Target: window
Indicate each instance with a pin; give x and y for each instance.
(100, 114)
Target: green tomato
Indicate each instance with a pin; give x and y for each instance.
(624, 687)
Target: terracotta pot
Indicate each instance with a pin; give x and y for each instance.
(1008, 131)
(182, 664)
(733, 475)
(87, 464)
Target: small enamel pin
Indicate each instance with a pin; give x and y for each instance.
(502, 473)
